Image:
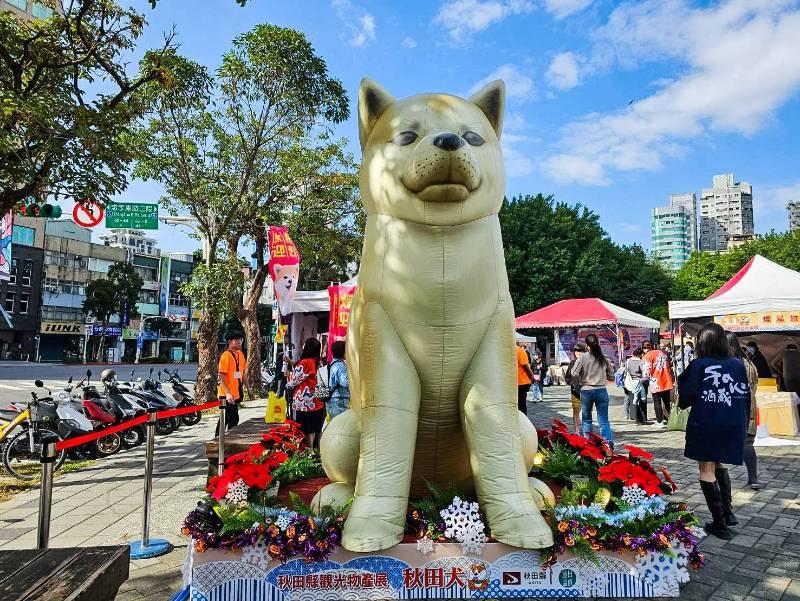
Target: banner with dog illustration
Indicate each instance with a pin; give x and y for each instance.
(283, 267)
(341, 297)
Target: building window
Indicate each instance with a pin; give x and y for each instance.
(27, 270)
(10, 298)
(24, 300)
(20, 4)
(12, 275)
(40, 11)
(23, 235)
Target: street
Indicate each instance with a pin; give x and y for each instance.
(17, 377)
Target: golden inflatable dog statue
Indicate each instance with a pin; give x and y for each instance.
(430, 345)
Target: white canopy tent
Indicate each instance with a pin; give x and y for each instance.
(761, 285)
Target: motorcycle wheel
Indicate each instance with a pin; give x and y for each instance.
(190, 419)
(108, 445)
(165, 426)
(23, 462)
(133, 437)
(176, 422)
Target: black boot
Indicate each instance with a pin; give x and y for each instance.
(714, 502)
(724, 481)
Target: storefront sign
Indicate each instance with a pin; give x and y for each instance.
(63, 328)
(760, 321)
(163, 297)
(341, 297)
(97, 330)
(125, 215)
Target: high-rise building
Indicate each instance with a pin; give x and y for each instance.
(27, 9)
(687, 200)
(672, 229)
(726, 212)
(794, 215)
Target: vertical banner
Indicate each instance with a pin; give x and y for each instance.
(6, 231)
(341, 297)
(163, 297)
(283, 266)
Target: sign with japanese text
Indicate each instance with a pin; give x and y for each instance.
(341, 297)
(283, 267)
(129, 215)
(402, 572)
(761, 321)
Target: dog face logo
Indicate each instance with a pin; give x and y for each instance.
(433, 159)
(286, 285)
(479, 577)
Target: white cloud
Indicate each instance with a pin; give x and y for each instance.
(564, 8)
(518, 85)
(462, 18)
(409, 42)
(517, 162)
(742, 62)
(564, 71)
(514, 122)
(360, 25)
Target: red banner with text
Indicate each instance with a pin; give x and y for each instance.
(341, 297)
(283, 266)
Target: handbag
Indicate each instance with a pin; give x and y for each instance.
(629, 382)
(678, 418)
(323, 391)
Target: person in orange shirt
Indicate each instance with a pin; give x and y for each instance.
(232, 378)
(524, 378)
(658, 371)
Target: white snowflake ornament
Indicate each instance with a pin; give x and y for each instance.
(633, 495)
(474, 541)
(257, 555)
(237, 491)
(463, 523)
(424, 545)
(283, 521)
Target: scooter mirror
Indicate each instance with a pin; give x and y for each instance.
(88, 373)
(38, 384)
(70, 380)
(159, 374)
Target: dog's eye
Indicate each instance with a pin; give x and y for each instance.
(473, 139)
(404, 138)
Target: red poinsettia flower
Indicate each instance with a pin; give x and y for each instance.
(574, 440)
(559, 426)
(218, 485)
(592, 453)
(637, 453)
(255, 475)
(597, 439)
(669, 479)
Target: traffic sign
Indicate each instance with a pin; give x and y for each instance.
(128, 215)
(87, 214)
(140, 341)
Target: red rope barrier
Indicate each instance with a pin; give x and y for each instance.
(77, 441)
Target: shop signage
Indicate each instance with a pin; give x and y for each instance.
(139, 216)
(63, 328)
(97, 330)
(760, 321)
(133, 333)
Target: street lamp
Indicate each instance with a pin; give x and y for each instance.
(193, 224)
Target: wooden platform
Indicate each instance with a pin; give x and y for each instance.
(76, 574)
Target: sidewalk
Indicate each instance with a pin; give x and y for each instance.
(102, 505)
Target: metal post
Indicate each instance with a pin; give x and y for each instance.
(46, 495)
(148, 477)
(221, 437)
(148, 547)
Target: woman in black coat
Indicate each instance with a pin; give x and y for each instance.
(715, 386)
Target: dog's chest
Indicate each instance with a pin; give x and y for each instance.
(434, 275)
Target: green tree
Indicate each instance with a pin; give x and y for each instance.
(705, 272)
(162, 325)
(556, 251)
(229, 150)
(60, 134)
(117, 293)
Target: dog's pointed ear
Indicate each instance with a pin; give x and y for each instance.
(372, 101)
(491, 99)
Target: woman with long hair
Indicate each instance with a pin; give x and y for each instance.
(592, 371)
(749, 454)
(715, 386)
(309, 410)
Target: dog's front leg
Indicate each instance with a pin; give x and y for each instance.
(490, 420)
(390, 396)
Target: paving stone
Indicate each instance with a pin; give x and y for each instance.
(771, 588)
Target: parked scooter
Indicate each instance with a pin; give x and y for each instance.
(147, 394)
(182, 394)
(99, 419)
(122, 406)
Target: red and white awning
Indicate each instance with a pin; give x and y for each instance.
(578, 312)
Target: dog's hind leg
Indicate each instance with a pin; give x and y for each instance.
(490, 420)
(389, 391)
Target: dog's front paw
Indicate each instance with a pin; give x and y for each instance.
(374, 523)
(518, 523)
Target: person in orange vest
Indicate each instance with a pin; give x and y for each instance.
(232, 378)
(524, 378)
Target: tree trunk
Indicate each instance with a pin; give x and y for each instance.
(207, 332)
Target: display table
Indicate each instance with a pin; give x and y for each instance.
(237, 439)
(778, 412)
(403, 572)
(76, 574)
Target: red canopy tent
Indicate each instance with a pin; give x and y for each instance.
(576, 312)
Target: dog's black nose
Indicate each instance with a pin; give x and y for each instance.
(448, 141)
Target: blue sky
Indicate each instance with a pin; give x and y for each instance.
(611, 104)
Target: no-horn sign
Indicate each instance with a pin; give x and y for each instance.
(87, 214)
